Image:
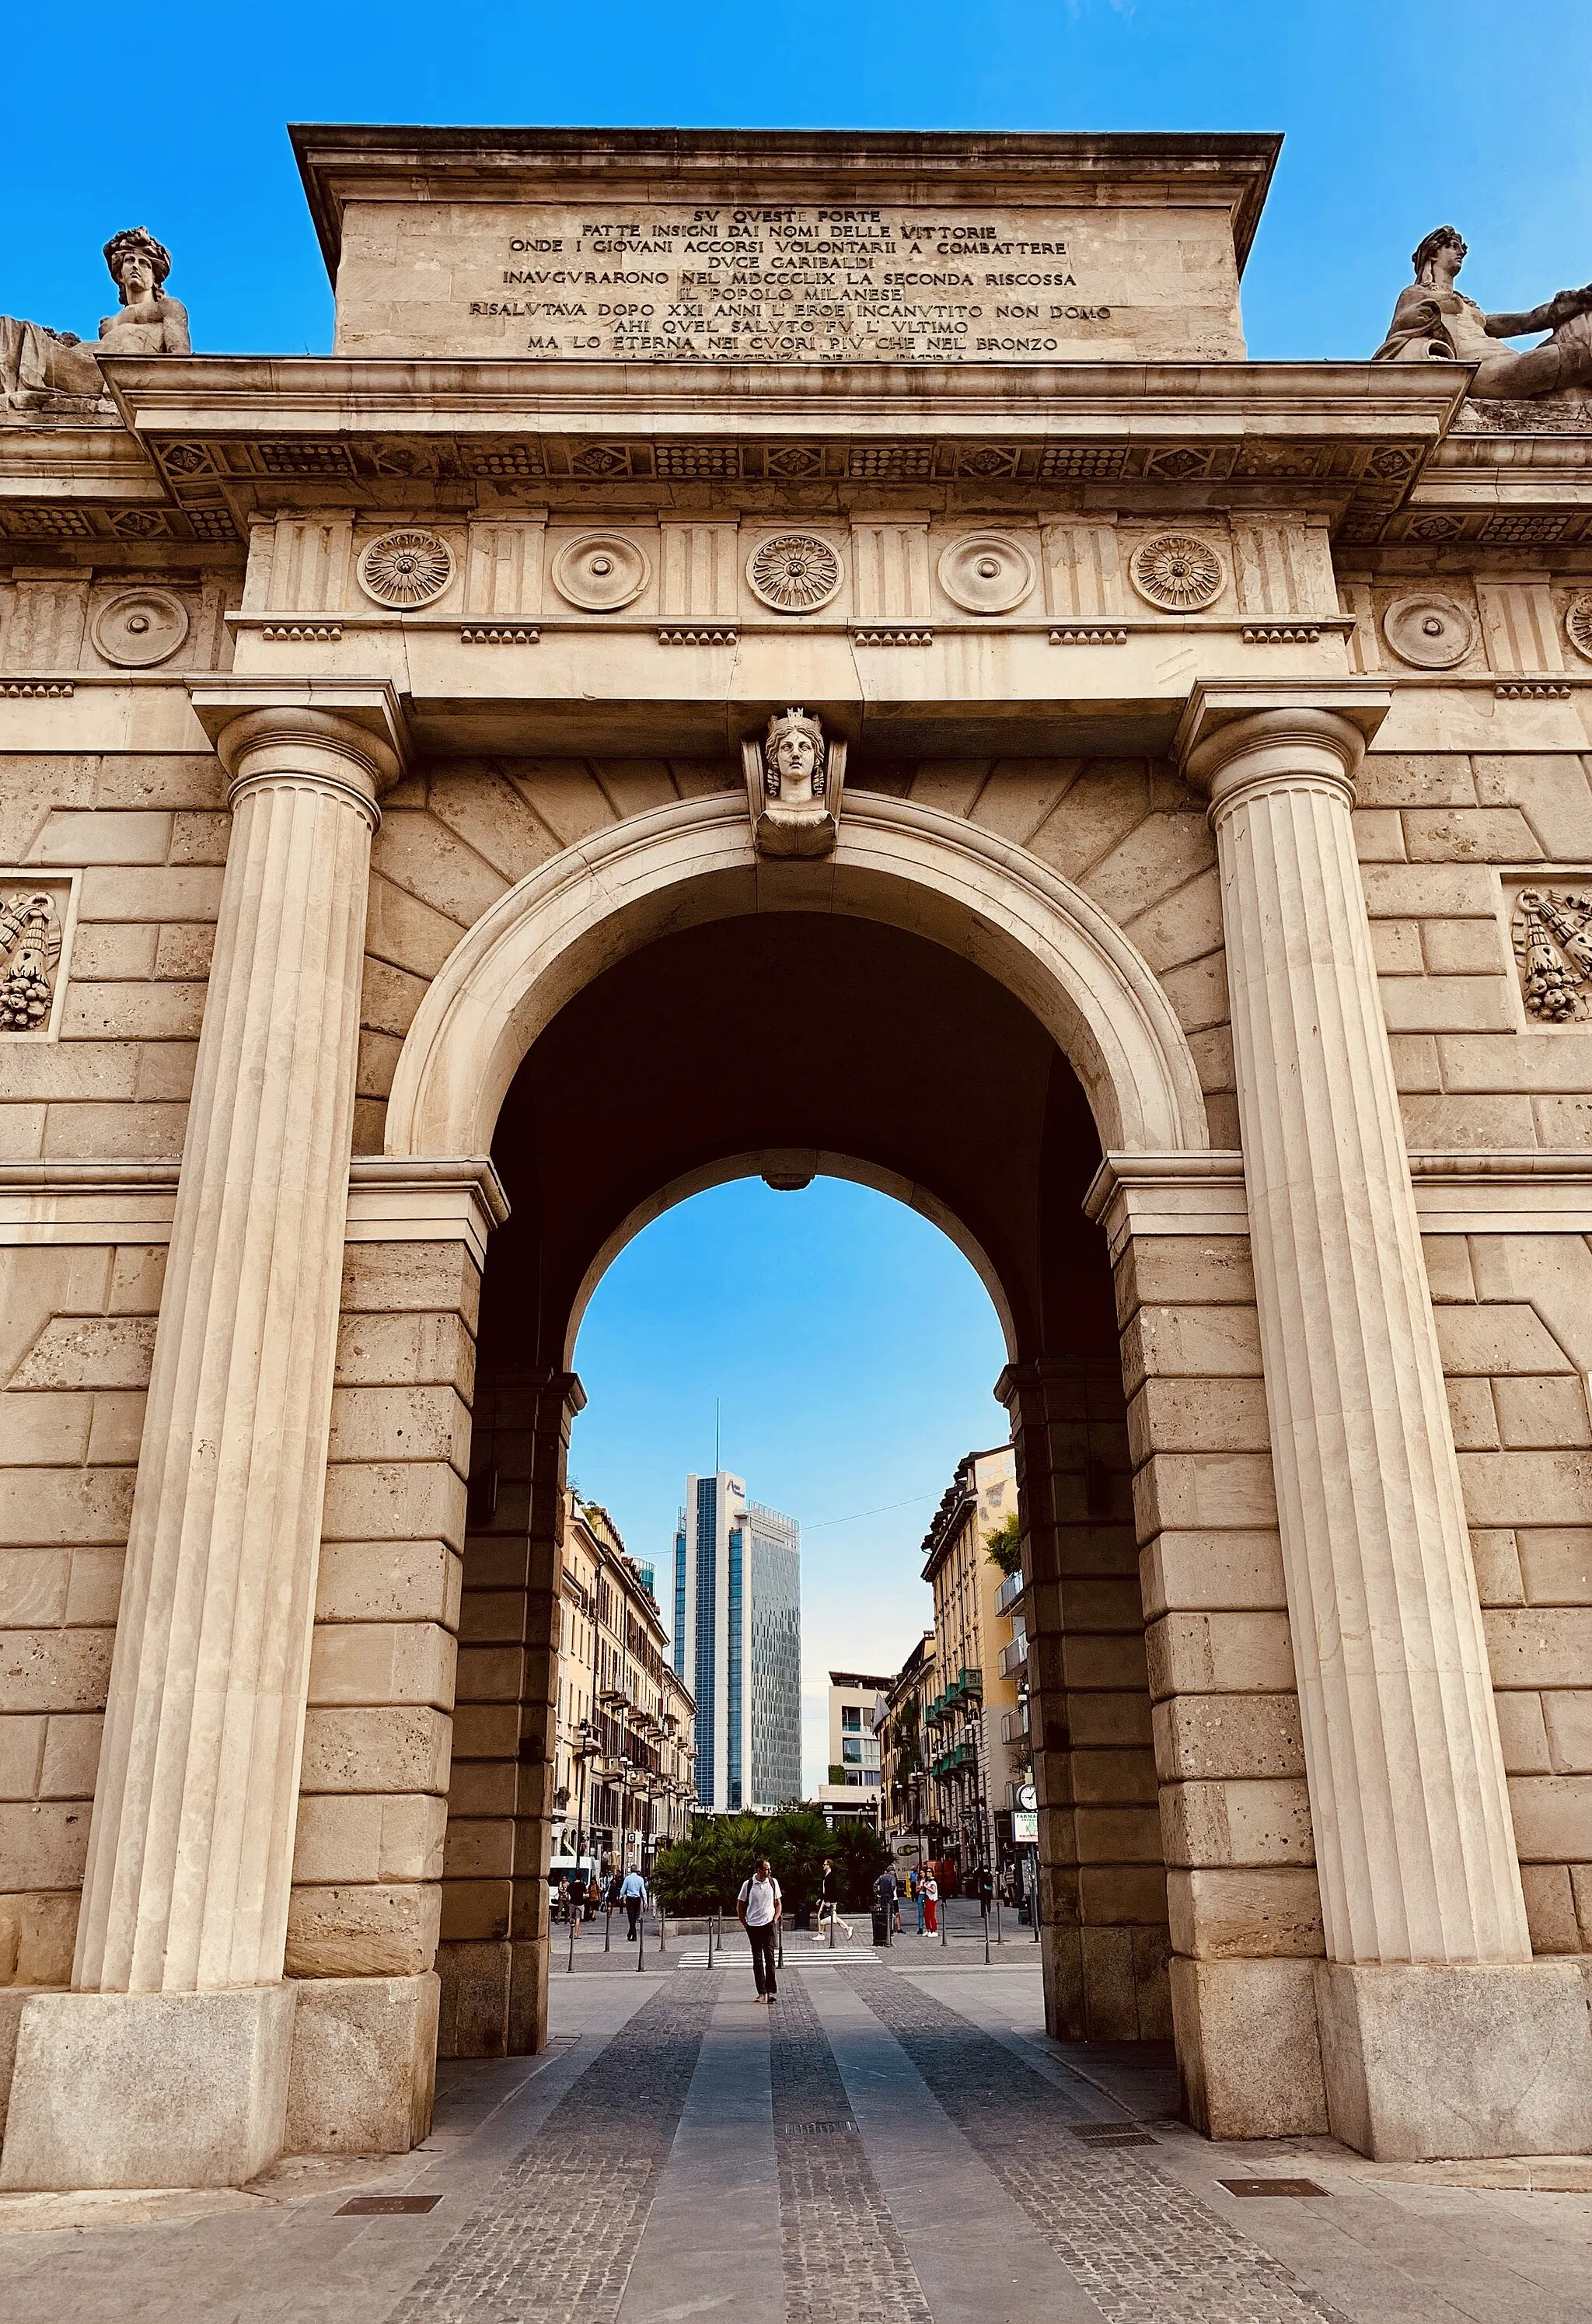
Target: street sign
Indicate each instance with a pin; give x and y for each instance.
(1024, 1827)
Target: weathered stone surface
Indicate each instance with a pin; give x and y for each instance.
(364, 2065)
(148, 2089)
(1480, 2059)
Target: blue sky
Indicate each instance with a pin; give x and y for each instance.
(851, 1350)
(851, 1346)
(1398, 115)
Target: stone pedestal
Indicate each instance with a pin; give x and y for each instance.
(1437, 2060)
(148, 2089)
(166, 2065)
(1413, 1841)
(364, 2065)
(1248, 2047)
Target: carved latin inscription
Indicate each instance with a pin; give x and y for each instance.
(784, 284)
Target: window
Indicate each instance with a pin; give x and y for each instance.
(852, 1716)
(852, 1750)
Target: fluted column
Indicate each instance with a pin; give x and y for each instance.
(168, 2063)
(190, 1849)
(1414, 1844)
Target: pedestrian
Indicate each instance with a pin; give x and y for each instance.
(919, 1882)
(986, 1891)
(759, 1908)
(829, 1902)
(928, 1898)
(593, 1896)
(632, 1896)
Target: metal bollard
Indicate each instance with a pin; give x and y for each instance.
(641, 1944)
(608, 1928)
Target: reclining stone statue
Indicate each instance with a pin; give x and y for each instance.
(41, 369)
(1432, 318)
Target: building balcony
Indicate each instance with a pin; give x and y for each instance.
(1009, 1591)
(1014, 1658)
(1013, 1725)
(971, 1682)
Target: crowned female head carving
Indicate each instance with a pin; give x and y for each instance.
(796, 760)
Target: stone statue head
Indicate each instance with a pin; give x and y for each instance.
(136, 243)
(1440, 237)
(794, 757)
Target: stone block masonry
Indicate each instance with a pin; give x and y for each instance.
(1220, 830)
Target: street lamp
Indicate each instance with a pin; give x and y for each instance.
(586, 1749)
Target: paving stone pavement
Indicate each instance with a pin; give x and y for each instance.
(1144, 2250)
(892, 2144)
(845, 2262)
(554, 2238)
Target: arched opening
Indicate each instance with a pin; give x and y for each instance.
(778, 1041)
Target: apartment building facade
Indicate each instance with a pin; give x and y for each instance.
(624, 1779)
(969, 1719)
(852, 1785)
(905, 1787)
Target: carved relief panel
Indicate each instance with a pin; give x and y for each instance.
(112, 623)
(1548, 917)
(37, 916)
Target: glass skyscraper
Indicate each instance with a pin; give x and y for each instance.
(738, 1643)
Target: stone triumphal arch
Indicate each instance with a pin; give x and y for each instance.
(791, 653)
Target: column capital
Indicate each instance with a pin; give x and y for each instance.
(344, 735)
(1234, 738)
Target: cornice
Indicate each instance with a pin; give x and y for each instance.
(179, 394)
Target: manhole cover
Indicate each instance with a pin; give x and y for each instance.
(1271, 2186)
(375, 2207)
(1110, 2134)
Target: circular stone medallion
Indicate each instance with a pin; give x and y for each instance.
(1178, 572)
(794, 572)
(1577, 622)
(985, 572)
(406, 569)
(140, 628)
(600, 571)
(1429, 632)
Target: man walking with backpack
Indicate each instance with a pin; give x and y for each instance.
(759, 1908)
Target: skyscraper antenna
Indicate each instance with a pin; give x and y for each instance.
(715, 1435)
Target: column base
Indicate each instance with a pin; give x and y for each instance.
(363, 2066)
(495, 1994)
(1428, 2061)
(148, 2089)
(1247, 2047)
